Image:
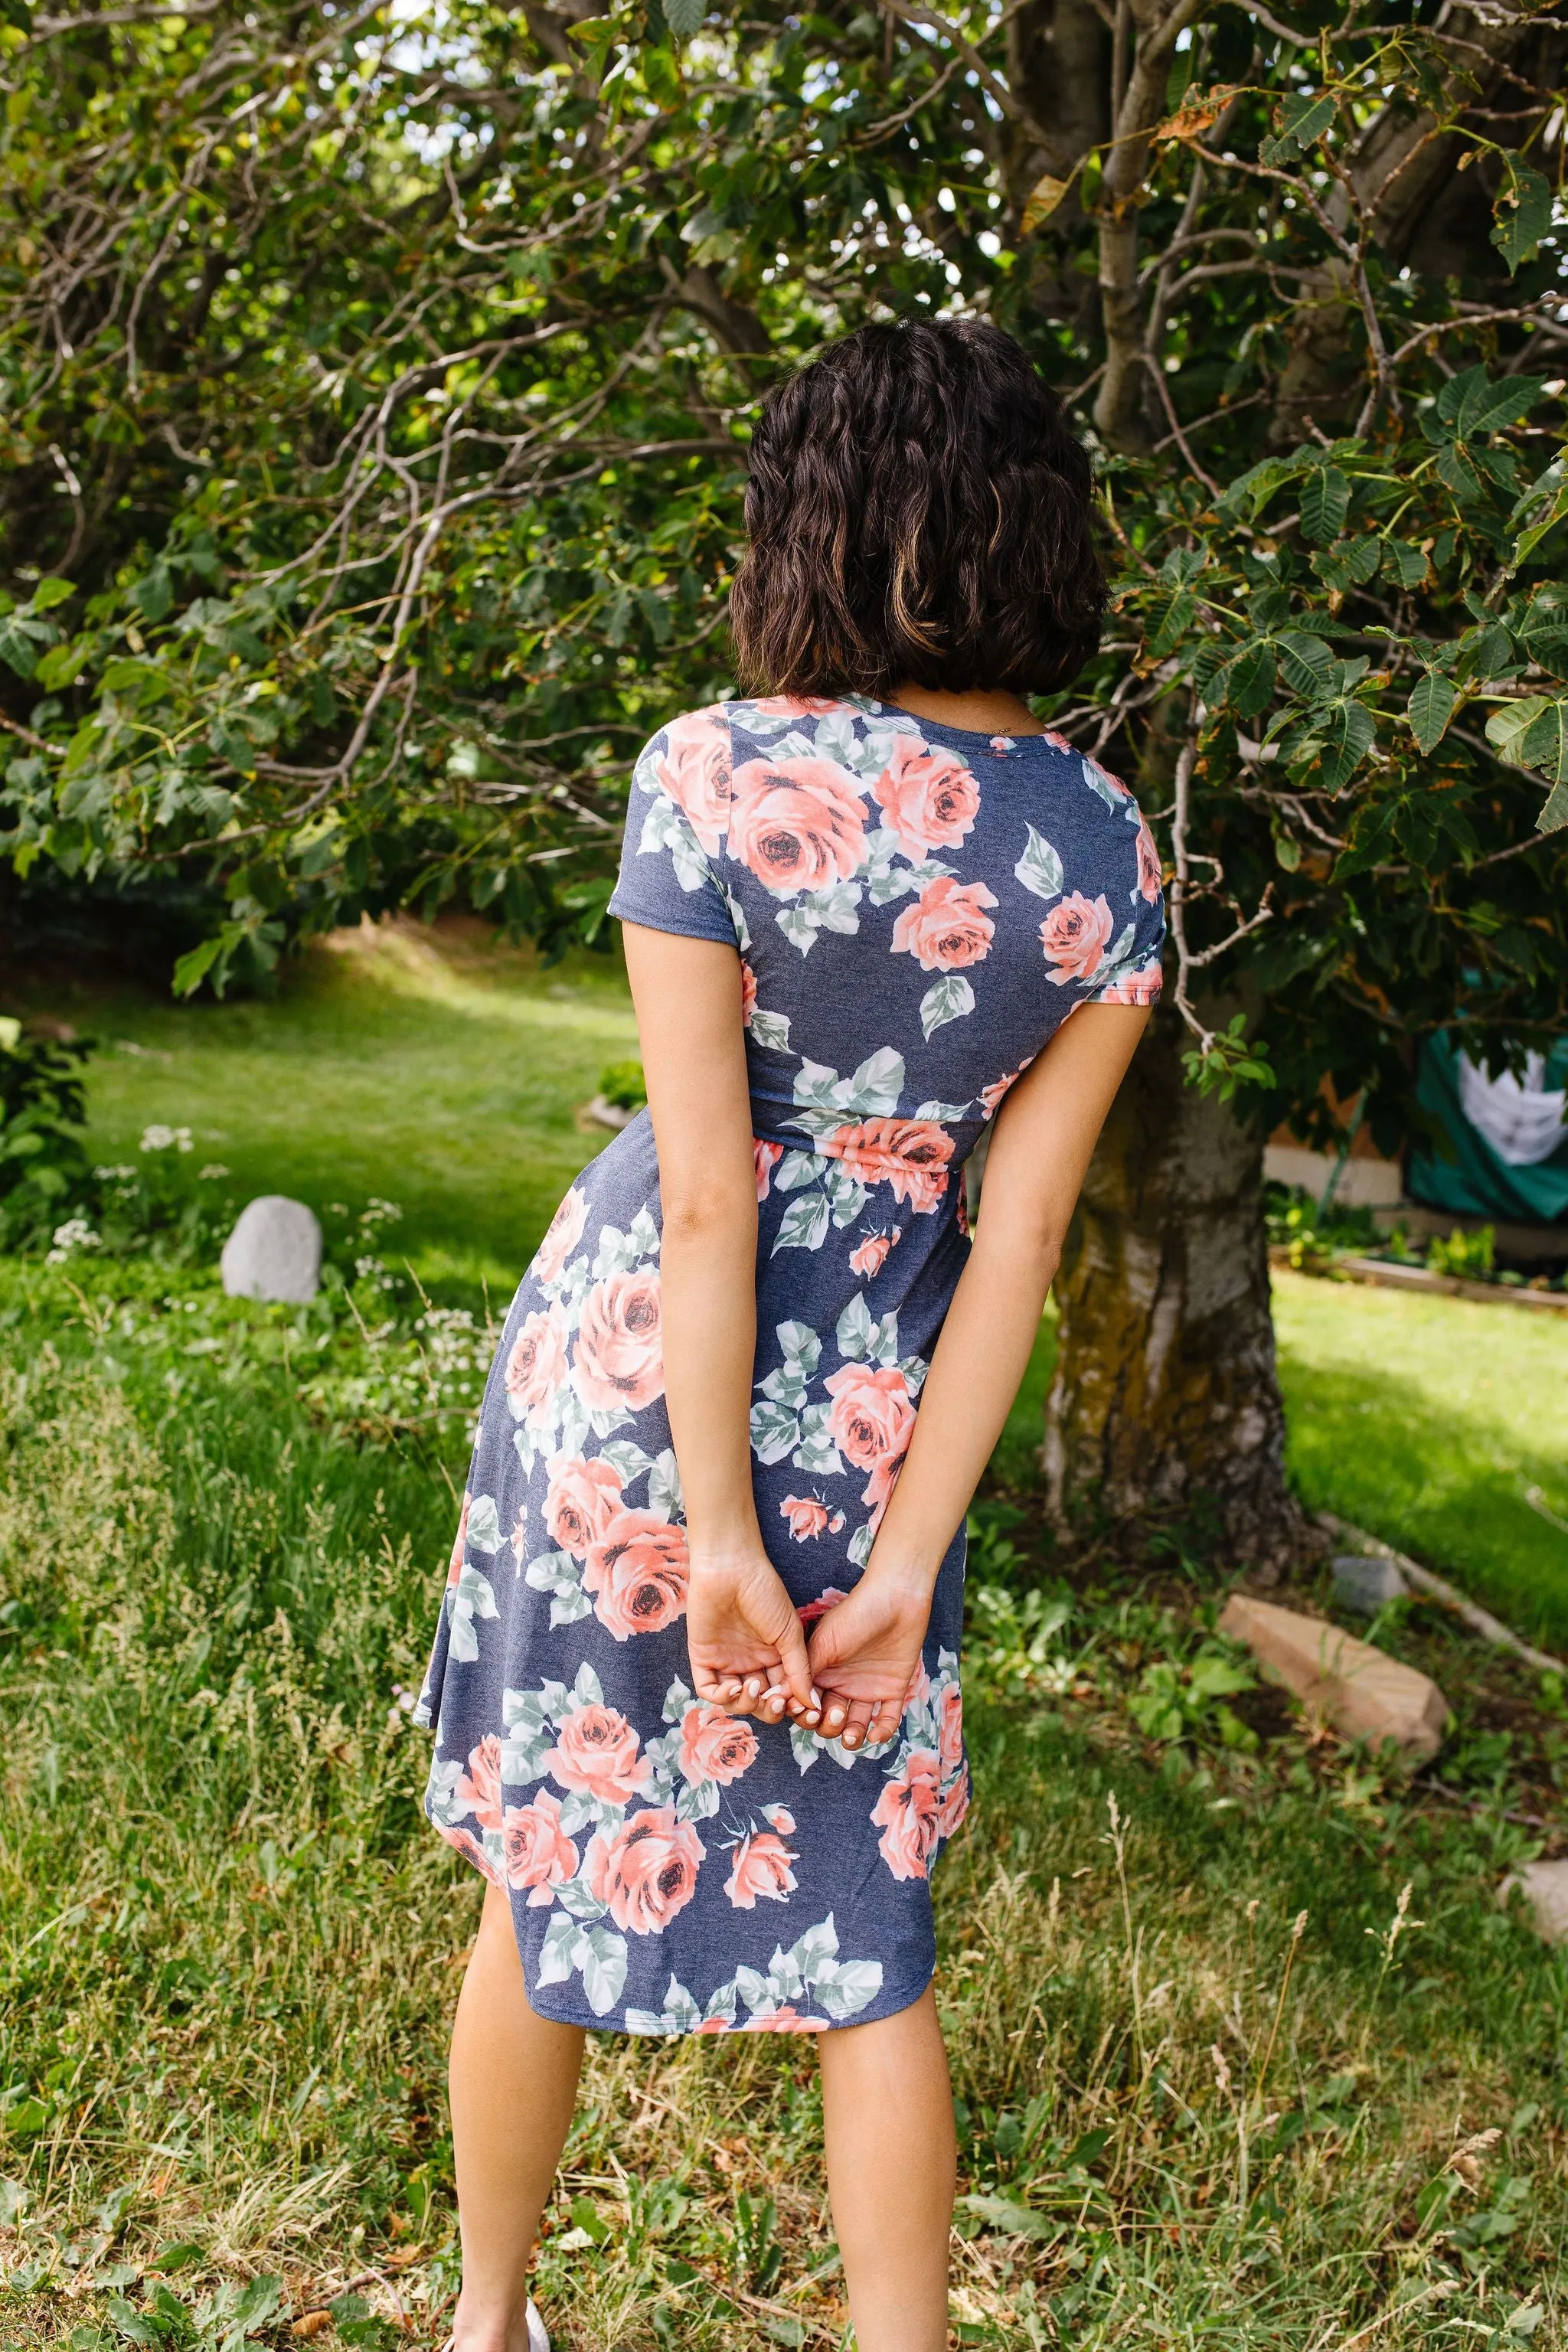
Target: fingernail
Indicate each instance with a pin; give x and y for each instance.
(816, 1698)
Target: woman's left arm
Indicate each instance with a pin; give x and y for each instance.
(865, 1652)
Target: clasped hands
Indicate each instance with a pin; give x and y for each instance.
(750, 1654)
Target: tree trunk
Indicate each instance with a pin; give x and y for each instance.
(1165, 1390)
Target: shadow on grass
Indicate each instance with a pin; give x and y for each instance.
(1381, 1450)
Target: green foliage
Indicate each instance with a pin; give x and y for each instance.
(1470, 1254)
(44, 1166)
(622, 1083)
(405, 376)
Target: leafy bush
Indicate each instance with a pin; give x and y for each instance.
(1470, 1255)
(44, 1166)
(623, 1084)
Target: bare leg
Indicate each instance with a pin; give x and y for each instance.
(514, 2083)
(891, 2167)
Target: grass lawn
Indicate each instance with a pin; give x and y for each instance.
(229, 1948)
(439, 1070)
(1425, 1420)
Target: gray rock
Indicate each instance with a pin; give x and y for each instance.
(1544, 1886)
(1364, 1585)
(273, 1252)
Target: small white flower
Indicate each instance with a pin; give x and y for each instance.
(74, 1234)
(211, 1173)
(158, 1138)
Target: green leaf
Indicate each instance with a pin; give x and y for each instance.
(1543, 744)
(684, 16)
(153, 594)
(1309, 667)
(1251, 681)
(49, 592)
(1348, 733)
(192, 969)
(1430, 708)
(1407, 563)
(1472, 401)
(1522, 210)
(1506, 725)
(1325, 502)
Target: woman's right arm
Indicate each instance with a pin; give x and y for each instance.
(745, 1639)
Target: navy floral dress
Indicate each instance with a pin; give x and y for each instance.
(917, 910)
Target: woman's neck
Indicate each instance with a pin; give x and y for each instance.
(984, 710)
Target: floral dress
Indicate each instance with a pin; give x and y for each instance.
(916, 910)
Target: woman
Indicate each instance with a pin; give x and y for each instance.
(695, 1686)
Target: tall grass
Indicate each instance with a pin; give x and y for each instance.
(229, 1952)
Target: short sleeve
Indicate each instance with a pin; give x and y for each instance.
(675, 829)
(1131, 974)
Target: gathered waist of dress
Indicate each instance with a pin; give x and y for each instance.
(920, 1158)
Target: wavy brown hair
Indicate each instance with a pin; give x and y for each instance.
(918, 511)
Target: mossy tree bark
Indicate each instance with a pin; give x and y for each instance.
(1165, 1391)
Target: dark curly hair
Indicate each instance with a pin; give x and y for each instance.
(918, 511)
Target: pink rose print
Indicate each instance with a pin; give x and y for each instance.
(695, 773)
(907, 1814)
(946, 929)
(798, 825)
(990, 1096)
(909, 1154)
(1107, 778)
(1060, 741)
(928, 796)
(748, 994)
(872, 1254)
(536, 1366)
(954, 1804)
(646, 1872)
(455, 1565)
(581, 1499)
(1150, 878)
(950, 1729)
(538, 1853)
(810, 1610)
(871, 1420)
(715, 1745)
(762, 1866)
(1074, 935)
(596, 1749)
(809, 1517)
(766, 1156)
(468, 1846)
(620, 1350)
(637, 1574)
(1142, 987)
(1002, 744)
(562, 1236)
(478, 1791)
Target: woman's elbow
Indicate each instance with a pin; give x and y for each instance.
(703, 1212)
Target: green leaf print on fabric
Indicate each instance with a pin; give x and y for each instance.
(809, 1976)
(1039, 869)
(948, 999)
